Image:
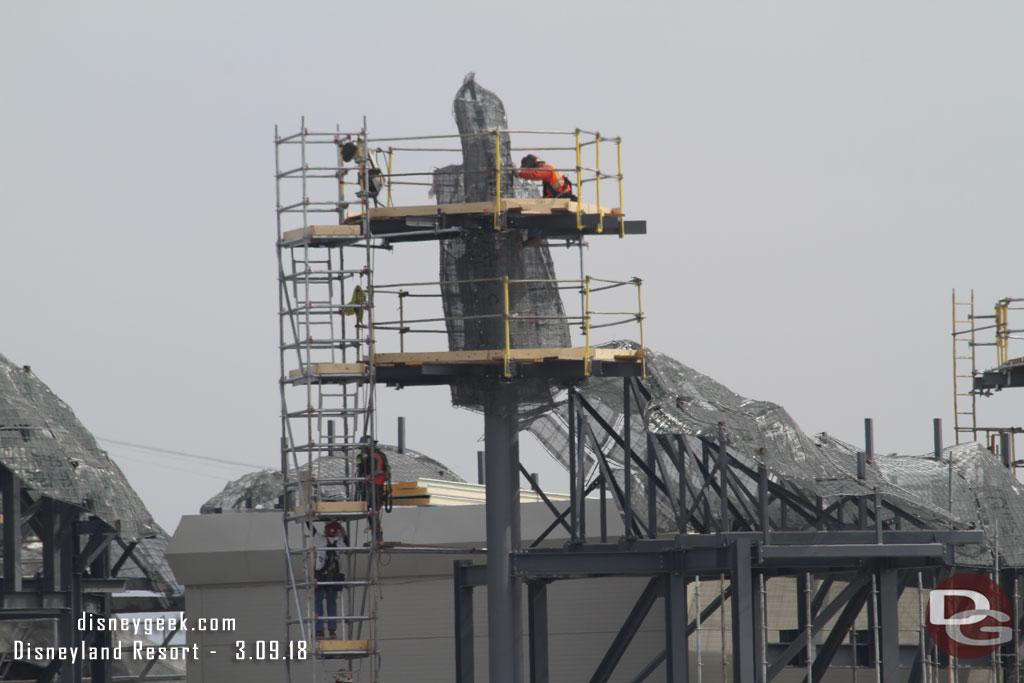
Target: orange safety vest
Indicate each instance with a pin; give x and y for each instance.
(381, 466)
(555, 184)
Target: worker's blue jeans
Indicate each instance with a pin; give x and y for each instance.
(328, 594)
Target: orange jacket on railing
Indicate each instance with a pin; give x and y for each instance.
(555, 184)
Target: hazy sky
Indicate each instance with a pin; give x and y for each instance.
(816, 177)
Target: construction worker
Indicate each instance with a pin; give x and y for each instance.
(372, 466)
(356, 305)
(374, 177)
(328, 570)
(556, 185)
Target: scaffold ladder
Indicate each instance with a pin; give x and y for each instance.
(965, 407)
(328, 399)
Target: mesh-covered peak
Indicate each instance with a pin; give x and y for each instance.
(45, 445)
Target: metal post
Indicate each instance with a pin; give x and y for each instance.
(10, 489)
(681, 469)
(503, 613)
(401, 435)
(537, 597)
(481, 467)
(723, 485)
(677, 659)
(1005, 450)
(652, 491)
(888, 618)
(581, 474)
(937, 436)
(744, 653)
(762, 499)
(463, 624)
(573, 500)
(627, 484)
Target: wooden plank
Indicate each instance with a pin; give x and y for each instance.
(496, 355)
(322, 231)
(340, 646)
(420, 500)
(331, 369)
(397, 493)
(534, 205)
(327, 507)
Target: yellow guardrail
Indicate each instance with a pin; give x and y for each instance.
(586, 320)
(392, 156)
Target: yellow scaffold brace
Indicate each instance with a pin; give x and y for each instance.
(579, 183)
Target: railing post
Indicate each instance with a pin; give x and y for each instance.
(579, 183)
(622, 215)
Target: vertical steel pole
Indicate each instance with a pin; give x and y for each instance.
(723, 484)
(581, 473)
(463, 624)
(573, 501)
(677, 652)
(481, 467)
(401, 434)
(537, 597)
(652, 491)
(627, 484)
(501, 453)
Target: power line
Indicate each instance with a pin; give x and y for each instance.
(182, 454)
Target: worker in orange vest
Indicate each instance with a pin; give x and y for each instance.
(556, 185)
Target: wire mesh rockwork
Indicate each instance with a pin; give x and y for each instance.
(476, 263)
(45, 445)
(819, 470)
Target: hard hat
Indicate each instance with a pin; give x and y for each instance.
(334, 526)
(348, 151)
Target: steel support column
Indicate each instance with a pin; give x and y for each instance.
(677, 660)
(889, 624)
(743, 597)
(504, 613)
(463, 624)
(537, 598)
(10, 489)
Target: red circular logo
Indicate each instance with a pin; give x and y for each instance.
(969, 616)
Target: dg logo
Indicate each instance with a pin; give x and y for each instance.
(969, 616)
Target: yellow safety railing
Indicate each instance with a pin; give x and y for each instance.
(388, 157)
(586, 321)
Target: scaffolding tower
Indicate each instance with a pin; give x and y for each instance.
(328, 393)
(971, 381)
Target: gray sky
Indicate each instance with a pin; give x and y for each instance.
(816, 177)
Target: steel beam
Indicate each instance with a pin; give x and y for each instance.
(743, 650)
(501, 434)
(537, 600)
(463, 623)
(10, 490)
(627, 632)
(889, 625)
(677, 660)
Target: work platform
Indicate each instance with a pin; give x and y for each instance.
(1009, 374)
(444, 367)
(554, 218)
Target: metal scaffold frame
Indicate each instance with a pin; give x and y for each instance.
(971, 381)
(322, 283)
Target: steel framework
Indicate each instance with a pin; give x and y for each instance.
(857, 555)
